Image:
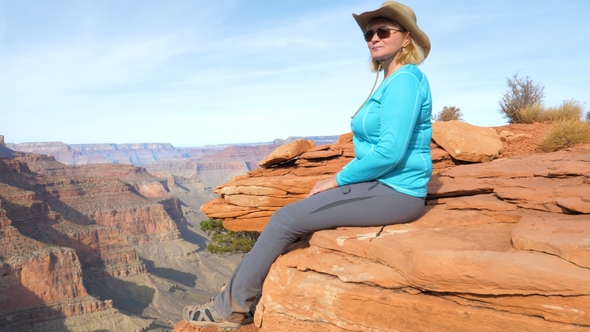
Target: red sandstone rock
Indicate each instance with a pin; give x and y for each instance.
(52, 226)
(307, 301)
(480, 202)
(321, 154)
(286, 152)
(246, 195)
(467, 142)
(43, 285)
(502, 246)
(183, 326)
(566, 236)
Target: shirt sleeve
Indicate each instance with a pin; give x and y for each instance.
(400, 108)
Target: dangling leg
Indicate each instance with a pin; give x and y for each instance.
(361, 204)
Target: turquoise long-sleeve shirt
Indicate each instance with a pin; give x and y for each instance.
(391, 135)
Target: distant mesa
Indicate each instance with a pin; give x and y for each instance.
(136, 153)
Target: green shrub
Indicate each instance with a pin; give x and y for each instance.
(212, 226)
(522, 92)
(531, 113)
(568, 110)
(449, 113)
(564, 134)
(224, 241)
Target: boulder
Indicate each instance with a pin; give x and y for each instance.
(467, 142)
(286, 152)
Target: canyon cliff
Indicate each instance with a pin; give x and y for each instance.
(191, 173)
(502, 244)
(95, 247)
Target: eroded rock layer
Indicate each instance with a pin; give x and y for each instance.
(60, 223)
(246, 202)
(502, 246)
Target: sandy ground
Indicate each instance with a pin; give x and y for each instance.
(527, 146)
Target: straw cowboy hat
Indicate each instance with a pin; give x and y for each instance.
(401, 14)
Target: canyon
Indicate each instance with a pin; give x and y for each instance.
(93, 242)
(502, 244)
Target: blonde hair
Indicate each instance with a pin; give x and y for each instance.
(412, 54)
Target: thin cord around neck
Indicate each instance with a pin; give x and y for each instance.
(374, 85)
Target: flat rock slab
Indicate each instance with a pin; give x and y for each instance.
(566, 236)
(464, 259)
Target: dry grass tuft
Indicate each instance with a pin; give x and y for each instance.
(568, 110)
(530, 113)
(449, 113)
(564, 134)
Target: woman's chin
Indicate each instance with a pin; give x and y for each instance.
(381, 57)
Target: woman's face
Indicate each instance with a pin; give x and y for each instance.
(387, 47)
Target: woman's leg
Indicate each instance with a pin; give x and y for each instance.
(360, 204)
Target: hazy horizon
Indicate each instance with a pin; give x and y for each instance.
(176, 147)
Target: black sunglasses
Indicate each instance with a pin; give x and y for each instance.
(382, 33)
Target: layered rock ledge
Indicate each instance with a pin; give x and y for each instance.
(502, 246)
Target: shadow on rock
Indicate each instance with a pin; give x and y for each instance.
(127, 296)
(184, 278)
(190, 236)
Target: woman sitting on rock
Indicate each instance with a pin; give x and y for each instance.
(384, 184)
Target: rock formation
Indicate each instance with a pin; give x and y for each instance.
(247, 202)
(97, 194)
(80, 243)
(466, 142)
(502, 246)
(42, 255)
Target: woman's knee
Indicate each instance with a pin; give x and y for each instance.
(284, 221)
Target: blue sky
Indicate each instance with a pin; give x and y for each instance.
(193, 72)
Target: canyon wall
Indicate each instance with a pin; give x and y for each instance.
(42, 257)
(82, 243)
(66, 229)
(191, 174)
(41, 280)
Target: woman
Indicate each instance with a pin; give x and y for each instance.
(384, 184)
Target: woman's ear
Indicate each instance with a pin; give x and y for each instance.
(407, 39)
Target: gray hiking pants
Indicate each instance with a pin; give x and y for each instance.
(359, 204)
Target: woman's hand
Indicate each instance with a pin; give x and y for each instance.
(323, 185)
